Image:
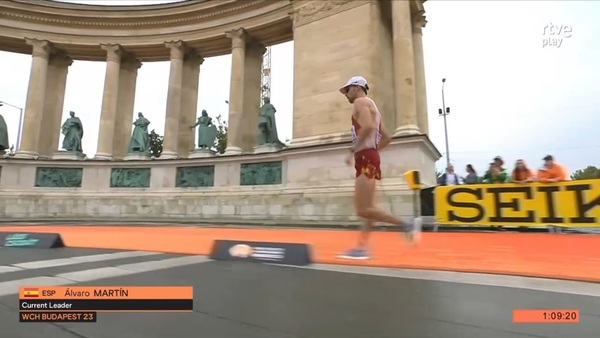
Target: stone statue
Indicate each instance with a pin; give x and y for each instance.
(140, 138)
(3, 135)
(267, 126)
(207, 131)
(73, 131)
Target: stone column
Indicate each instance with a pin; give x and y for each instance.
(58, 68)
(189, 103)
(125, 102)
(109, 102)
(170, 145)
(252, 82)
(404, 70)
(419, 23)
(36, 95)
(236, 91)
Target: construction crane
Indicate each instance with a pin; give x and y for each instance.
(265, 82)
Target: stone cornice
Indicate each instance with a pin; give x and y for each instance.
(306, 12)
(79, 30)
(100, 16)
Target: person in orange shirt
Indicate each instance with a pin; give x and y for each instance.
(522, 174)
(552, 171)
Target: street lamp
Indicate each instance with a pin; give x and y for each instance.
(443, 112)
(2, 103)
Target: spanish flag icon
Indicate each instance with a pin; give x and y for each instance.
(31, 292)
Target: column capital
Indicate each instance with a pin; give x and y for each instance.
(130, 62)
(419, 21)
(194, 58)
(61, 59)
(114, 52)
(41, 48)
(177, 49)
(238, 37)
(256, 47)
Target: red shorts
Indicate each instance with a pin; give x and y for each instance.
(368, 163)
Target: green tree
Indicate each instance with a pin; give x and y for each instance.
(156, 144)
(221, 140)
(588, 173)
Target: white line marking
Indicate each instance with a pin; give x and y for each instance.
(12, 287)
(51, 263)
(164, 263)
(529, 283)
(4, 269)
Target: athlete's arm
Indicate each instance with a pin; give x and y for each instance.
(366, 119)
(386, 138)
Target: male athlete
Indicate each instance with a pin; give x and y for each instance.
(368, 138)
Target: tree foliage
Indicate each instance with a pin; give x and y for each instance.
(221, 140)
(588, 173)
(156, 144)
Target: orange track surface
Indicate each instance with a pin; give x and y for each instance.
(575, 257)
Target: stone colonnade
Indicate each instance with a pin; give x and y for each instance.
(45, 98)
(49, 68)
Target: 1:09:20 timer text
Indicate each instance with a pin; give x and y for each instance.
(558, 315)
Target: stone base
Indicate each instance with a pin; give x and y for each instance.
(233, 151)
(26, 154)
(267, 148)
(317, 186)
(201, 153)
(320, 139)
(405, 130)
(103, 157)
(137, 157)
(168, 155)
(68, 156)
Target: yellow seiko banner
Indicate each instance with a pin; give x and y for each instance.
(571, 203)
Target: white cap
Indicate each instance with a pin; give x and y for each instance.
(355, 81)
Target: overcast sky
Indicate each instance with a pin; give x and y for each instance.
(509, 94)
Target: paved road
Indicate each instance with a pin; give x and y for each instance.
(241, 300)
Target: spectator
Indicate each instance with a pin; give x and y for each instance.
(449, 177)
(522, 174)
(551, 171)
(472, 177)
(488, 173)
(499, 162)
(495, 175)
(498, 171)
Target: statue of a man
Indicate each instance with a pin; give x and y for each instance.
(4, 143)
(207, 131)
(73, 131)
(267, 125)
(140, 138)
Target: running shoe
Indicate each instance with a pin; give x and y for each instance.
(356, 253)
(412, 230)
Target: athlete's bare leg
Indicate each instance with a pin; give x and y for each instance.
(364, 200)
(364, 204)
(363, 238)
